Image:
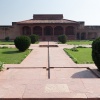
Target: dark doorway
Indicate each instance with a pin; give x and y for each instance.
(26, 30)
(37, 30)
(58, 30)
(83, 36)
(48, 31)
(78, 36)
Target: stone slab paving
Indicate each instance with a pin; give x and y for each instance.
(53, 88)
(58, 58)
(74, 73)
(37, 58)
(27, 81)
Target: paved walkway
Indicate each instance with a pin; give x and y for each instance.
(67, 79)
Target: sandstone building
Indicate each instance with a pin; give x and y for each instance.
(49, 27)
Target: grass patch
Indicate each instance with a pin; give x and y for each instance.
(79, 42)
(6, 43)
(12, 55)
(37, 42)
(82, 56)
(11, 42)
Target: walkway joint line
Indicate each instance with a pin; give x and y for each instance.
(48, 62)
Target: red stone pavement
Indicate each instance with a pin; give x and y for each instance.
(67, 79)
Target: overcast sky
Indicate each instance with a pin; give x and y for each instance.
(78, 10)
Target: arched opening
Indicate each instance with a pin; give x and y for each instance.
(26, 30)
(58, 30)
(48, 30)
(83, 36)
(78, 36)
(37, 30)
(69, 30)
(92, 35)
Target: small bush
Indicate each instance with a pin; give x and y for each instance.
(74, 49)
(62, 38)
(7, 38)
(34, 38)
(74, 59)
(4, 47)
(81, 47)
(22, 43)
(96, 52)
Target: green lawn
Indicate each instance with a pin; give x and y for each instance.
(11, 42)
(12, 55)
(6, 42)
(79, 42)
(83, 55)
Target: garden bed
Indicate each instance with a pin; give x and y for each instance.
(80, 55)
(12, 55)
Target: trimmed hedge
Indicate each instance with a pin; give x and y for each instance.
(96, 52)
(34, 38)
(7, 38)
(62, 38)
(22, 43)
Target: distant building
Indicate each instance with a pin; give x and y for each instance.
(49, 27)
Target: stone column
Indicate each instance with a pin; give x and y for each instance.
(42, 31)
(86, 35)
(80, 35)
(43, 36)
(64, 30)
(21, 30)
(75, 31)
(31, 30)
(53, 31)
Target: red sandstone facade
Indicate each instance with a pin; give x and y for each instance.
(49, 27)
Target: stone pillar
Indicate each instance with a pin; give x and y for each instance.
(53, 31)
(43, 36)
(31, 30)
(64, 30)
(80, 35)
(86, 35)
(75, 31)
(42, 31)
(21, 30)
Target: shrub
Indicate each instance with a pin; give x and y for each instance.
(62, 38)
(34, 38)
(22, 43)
(7, 38)
(81, 47)
(74, 49)
(1, 66)
(96, 52)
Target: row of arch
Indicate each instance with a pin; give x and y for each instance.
(84, 35)
(48, 30)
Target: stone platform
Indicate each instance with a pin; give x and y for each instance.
(63, 79)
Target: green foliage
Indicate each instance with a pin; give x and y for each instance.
(81, 47)
(79, 42)
(22, 43)
(4, 47)
(1, 66)
(62, 38)
(7, 38)
(34, 38)
(12, 55)
(74, 59)
(74, 49)
(6, 42)
(96, 52)
(82, 56)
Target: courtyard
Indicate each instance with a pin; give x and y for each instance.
(48, 72)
